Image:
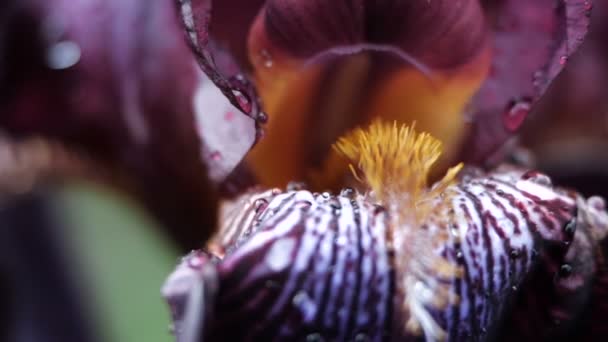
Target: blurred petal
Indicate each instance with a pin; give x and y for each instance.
(532, 43)
(323, 67)
(117, 79)
(38, 279)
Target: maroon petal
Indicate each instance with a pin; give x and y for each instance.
(219, 66)
(117, 79)
(440, 33)
(230, 26)
(532, 43)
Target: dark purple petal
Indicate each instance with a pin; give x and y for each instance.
(218, 65)
(532, 43)
(117, 80)
(440, 33)
(230, 26)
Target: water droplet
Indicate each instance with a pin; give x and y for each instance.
(516, 113)
(314, 337)
(63, 55)
(279, 255)
(262, 117)
(570, 227)
(537, 177)
(195, 262)
(266, 58)
(514, 288)
(305, 304)
(347, 192)
(361, 337)
(515, 253)
(260, 204)
(295, 186)
(587, 5)
(538, 78)
(243, 101)
(454, 230)
(565, 270)
(563, 60)
(341, 240)
(459, 256)
(216, 156)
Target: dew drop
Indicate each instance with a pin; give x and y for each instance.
(537, 177)
(565, 270)
(216, 156)
(314, 337)
(243, 101)
(587, 5)
(537, 78)
(347, 192)
(229, 116)
(195, 262)
(305, 304)
(516, 113)
(563, 60)
(341, 240)
(459, 256)
(262, 117)
(63, 55)
(515, 253)
(260, 204)
(279, 255)
(454, 230)
(266, 58)
(570, 227)
(361, 337)
(295, 186)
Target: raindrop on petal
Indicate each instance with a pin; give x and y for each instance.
(63, 55)
(516, 113)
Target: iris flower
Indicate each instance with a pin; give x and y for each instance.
(395, 114)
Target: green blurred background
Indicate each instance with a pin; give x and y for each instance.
(122, 260)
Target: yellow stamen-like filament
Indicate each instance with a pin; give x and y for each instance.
(395, 163)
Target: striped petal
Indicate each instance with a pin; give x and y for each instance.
(299, 265)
